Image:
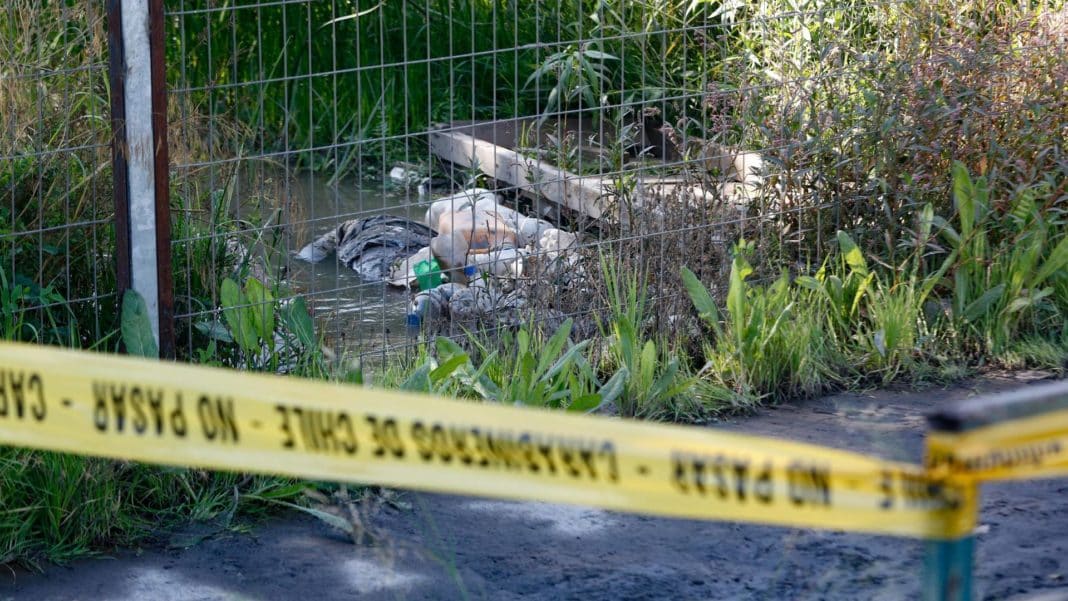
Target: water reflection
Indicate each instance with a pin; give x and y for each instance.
(355, 316)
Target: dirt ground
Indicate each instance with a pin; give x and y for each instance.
(451, 547)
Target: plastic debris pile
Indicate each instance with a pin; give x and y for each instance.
(482, 263)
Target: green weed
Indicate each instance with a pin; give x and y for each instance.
(1008, 267)
(59, 507)
(655, 381)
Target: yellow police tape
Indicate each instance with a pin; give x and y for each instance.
(183, 415)
(1029, 447)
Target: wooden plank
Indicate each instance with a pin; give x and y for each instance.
(585, 194)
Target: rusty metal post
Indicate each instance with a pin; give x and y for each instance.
(139, 160)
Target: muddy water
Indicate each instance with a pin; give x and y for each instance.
(355, 316)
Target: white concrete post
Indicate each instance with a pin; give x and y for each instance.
(140, 164)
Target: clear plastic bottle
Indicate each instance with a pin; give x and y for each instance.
(431, 304)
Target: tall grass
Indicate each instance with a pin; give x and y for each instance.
(54, 170)
(58, 507)
(994, 293)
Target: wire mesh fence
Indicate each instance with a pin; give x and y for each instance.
(55, 206)
(647, 130)
(643, 136)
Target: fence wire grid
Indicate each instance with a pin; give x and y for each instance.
(658, 133)
(55, 188)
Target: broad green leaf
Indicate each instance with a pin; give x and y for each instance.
(835, 290)
(564, 83)
(880, 342)
(964, 196)
(662, 387)
(851, 253)
(419, 380)
(587, 95)
(951, 235)
(238, 317)
(479, 381)
(702, 299)
(648, 362)
(736, 294)
(566, 359)
(551, 102)
(214, 331)
(598, 55)
(261, 310)
(522, 340)
(137, 327)
(552, 348)
(934, 279)
(446, 368)
(447, 347)
(861, 289)
(584, 403)
(299, 322)
(546, 66)
(626, 340)
(484, 386)
(1056, 262)
(927, 217)
(981, 305)
(614, 386)
(1031, 300)
(784, 315)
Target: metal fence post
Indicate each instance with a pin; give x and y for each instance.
(139, 159)
(948, 569)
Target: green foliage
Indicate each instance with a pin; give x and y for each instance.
(997, 294)
(579, 74)
(136, 327)
(526, 370)
(1008, 267)
(771, 344)
(298, 321)
(544, 375)
(241, 317)
(843, 295)
(702, 300)
(59, 507)
(655, 382)
(405, 65)
(653, 378)
(29, 313)
(264, 333)
(55, 235)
